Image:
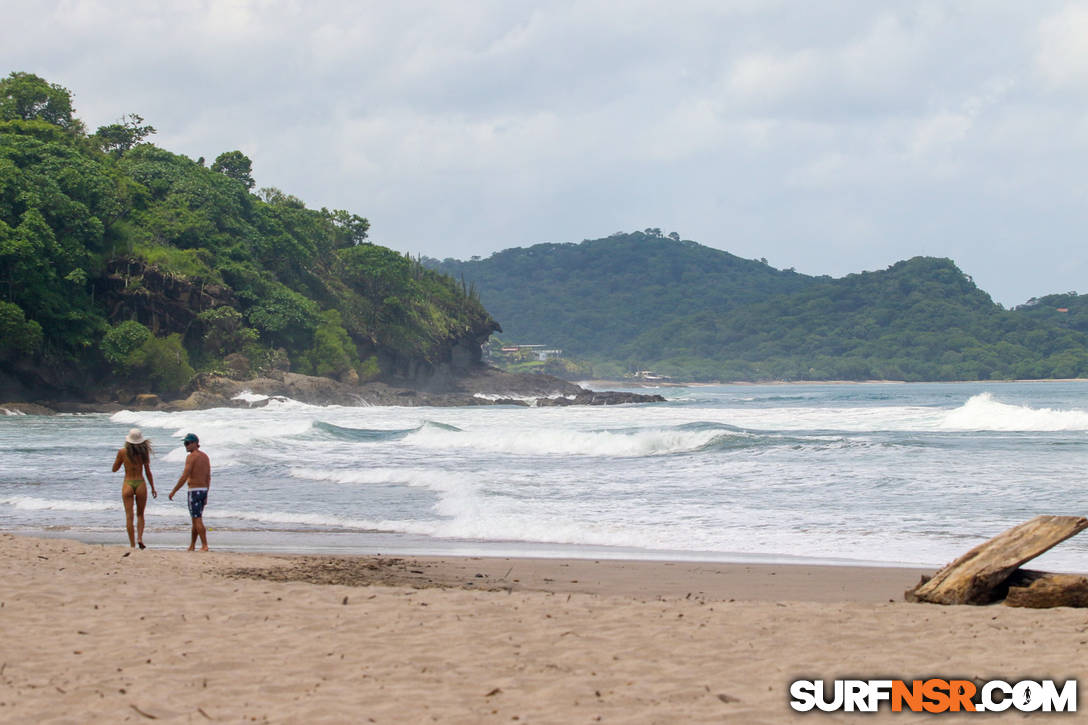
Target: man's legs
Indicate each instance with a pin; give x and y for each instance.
(199, 530)
(197, 499)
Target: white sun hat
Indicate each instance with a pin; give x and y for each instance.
(135, 437)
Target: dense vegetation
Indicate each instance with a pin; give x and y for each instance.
(643, 300)
(122, 264)
(1068, 310)
(603, 293)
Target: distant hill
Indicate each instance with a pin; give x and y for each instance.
(600, 295)
(640, 300)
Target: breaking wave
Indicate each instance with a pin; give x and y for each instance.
(32, 503)
(982, 412)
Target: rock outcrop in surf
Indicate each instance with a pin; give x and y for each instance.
(480, 386)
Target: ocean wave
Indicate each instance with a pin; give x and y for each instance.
(377, 434)
(359, 434)
(622, 443)
(982, 412)
(330, 521)
(32, 503)
(530, 399)
(540, 528)
(250, 397)
(222, 427)
(734, 441)
(625, 443)
(420, 477)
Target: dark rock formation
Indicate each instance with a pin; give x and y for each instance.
(134, 290)
(612, 397)
(25, 409)
(479, 385)
(483, 386)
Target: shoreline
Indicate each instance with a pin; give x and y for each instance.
(749, 383)
(743, 580)
(104, 633)
(352, 543)
(324, 391)
(298, 544)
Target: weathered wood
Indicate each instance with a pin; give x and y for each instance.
(1042, 590)
(977, 576)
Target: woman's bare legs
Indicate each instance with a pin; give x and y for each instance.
(128, 497)
(141, 503)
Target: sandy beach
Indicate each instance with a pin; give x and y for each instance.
(105, 634)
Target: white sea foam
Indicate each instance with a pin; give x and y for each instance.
(250, 397)
(422, 477)
(33, 503)
(982, 412)
(531, 399)
(220, 427)
(565, 442)
(360, 476)
(300, 519)
(489, 523)
(753, 534)
(281, 404)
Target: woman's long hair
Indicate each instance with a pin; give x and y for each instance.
(138, 452)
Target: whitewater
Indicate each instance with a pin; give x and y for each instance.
(911, 474)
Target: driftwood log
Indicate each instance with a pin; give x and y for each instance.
(981, 575)
(1042, 590)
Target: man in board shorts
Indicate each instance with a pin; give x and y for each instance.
(198, 472)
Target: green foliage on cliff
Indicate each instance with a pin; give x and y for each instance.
(103, 235)
(638, 301)
(1068, 311)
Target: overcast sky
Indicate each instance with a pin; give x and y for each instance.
(832, 137)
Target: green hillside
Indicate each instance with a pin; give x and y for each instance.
(598, 296)
(1068, 310)
(125, 265)
(638, 301)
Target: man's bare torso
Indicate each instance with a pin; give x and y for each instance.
(200, 469)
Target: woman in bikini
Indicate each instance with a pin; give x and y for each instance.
(136, 458)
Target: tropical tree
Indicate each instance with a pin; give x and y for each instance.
(26, 97)
(235, 165)
(351, 229)
(117, 138)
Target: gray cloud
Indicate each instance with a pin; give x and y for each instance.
(831, 137)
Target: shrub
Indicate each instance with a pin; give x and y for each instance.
(369, 369)
(165, 363)
(121, 341)
(333, 353)
(18, 334)
(224, 331)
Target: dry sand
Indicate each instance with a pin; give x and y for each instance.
(104, 634)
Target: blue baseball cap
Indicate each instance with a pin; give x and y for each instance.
(190, 438)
